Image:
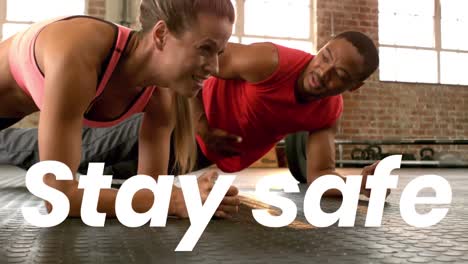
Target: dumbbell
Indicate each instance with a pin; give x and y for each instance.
(427, 153)
(296, 154)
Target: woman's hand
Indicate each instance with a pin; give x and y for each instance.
(229, 205)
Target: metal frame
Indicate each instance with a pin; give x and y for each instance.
(433, 163)
(438, 43)
(407, 163)
(404, 142)
(412, 163)
(240, 23)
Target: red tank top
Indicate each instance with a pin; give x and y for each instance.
(263, 113)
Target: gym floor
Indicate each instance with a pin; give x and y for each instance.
(242, 239)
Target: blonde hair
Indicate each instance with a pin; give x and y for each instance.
(185, 153)
(179, 15)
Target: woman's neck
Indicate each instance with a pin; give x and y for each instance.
(138, 67)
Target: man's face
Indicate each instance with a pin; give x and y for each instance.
(336, 68)
(193, 56)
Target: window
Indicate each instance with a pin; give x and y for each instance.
(285, 22)
(423, 41)
(16, 15)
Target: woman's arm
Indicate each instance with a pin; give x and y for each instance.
(155, 134)
(71, 67)
(66, 96)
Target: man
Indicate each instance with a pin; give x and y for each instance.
(261, 93)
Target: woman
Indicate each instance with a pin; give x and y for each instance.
(79, 70)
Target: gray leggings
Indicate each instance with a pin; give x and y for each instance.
(116, 146)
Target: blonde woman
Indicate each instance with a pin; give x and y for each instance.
(82, 70)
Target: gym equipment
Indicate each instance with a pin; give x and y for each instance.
(374, 152)
(359, 154)
(427, 154)
(296, 154)
(295, 145)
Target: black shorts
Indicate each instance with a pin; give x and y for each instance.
(7, 122)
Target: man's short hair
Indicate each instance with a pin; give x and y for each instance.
(365, 47)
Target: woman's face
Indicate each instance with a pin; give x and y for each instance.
(192, 56)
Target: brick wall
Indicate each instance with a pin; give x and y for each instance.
(383, 110)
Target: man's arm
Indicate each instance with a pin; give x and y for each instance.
(199, 116)
(252, 63)
(321, 160)
(215, 139)
(321, 156)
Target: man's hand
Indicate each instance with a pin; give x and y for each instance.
(369, 170)
(229, 205)
(221, 142)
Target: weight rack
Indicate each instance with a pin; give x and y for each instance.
(431, 163)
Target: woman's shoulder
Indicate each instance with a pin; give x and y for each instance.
(77, 37)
